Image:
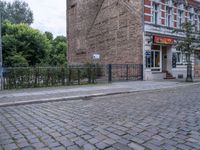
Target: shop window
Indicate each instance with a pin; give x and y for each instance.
(153, 60)
(197, 59)
(182, 58)
(178, 57)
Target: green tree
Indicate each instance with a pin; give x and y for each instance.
(58, 53)
(16, 12)
(49, 35)
(188, 44)
(22, 41)
(17, 59)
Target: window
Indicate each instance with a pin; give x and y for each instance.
(178, 57)
(180, 18)
(155, 13)
(182, 58)
(168, 16)
(153, 60)
(199, 22)
(191, 18)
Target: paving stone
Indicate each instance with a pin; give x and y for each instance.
(109, 141)
(66, 143)
(168, 147)
(136, 146)
(120, 146)
(11, 146)
(94, 141)
(110, 148)
(59, 148)
(101, 145)
(183, 147)
(74, 147)
(28, 148)
(152, 147)
(88, 147)
(166, 119)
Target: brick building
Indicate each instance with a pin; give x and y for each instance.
(131, 32)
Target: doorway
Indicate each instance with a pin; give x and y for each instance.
(197, 64)
(164, 58)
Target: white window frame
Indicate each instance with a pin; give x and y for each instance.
(183, 58)
(198, 22)
(169, 21)
(191, 18)
(155, 18)
(180, 18)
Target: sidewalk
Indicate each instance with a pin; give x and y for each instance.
(41, 95)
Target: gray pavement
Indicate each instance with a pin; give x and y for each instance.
(28, 96)
(168, 119)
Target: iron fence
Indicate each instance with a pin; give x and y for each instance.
(32, 77)
(122, 72)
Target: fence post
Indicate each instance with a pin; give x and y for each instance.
(69, 75)
(141, 66)
(92, 74)
(1, 78)
(79, 81)
(109, 73)
(126, 71)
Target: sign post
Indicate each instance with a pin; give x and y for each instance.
(1, 57)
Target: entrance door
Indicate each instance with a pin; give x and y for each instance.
(164, 58)
(197, 64)
(155, 60)
(156, 56)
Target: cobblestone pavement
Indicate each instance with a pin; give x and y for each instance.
(160, 120)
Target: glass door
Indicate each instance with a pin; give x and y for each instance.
(155, 60)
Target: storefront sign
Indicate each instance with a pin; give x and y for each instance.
(163, 40)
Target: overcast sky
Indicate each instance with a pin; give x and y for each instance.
(49, 15)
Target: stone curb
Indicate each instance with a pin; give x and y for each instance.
(85, 97)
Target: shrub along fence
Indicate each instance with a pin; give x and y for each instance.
(32, 77)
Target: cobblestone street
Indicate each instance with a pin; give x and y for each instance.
(160, 120)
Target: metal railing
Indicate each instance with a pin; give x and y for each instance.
(32, 77)
(125, 72)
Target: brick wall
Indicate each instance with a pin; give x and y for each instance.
(111, 28)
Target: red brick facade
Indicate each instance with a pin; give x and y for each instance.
(175, 7)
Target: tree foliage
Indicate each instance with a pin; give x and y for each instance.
(191, 40)
(16, 12)
(188, 44)
(58, 53)
(24, 43)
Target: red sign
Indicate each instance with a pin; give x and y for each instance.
(163, 40)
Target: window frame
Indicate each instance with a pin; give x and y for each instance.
(180, 18)
(155, 13)
(169, 16)
(183, 58)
